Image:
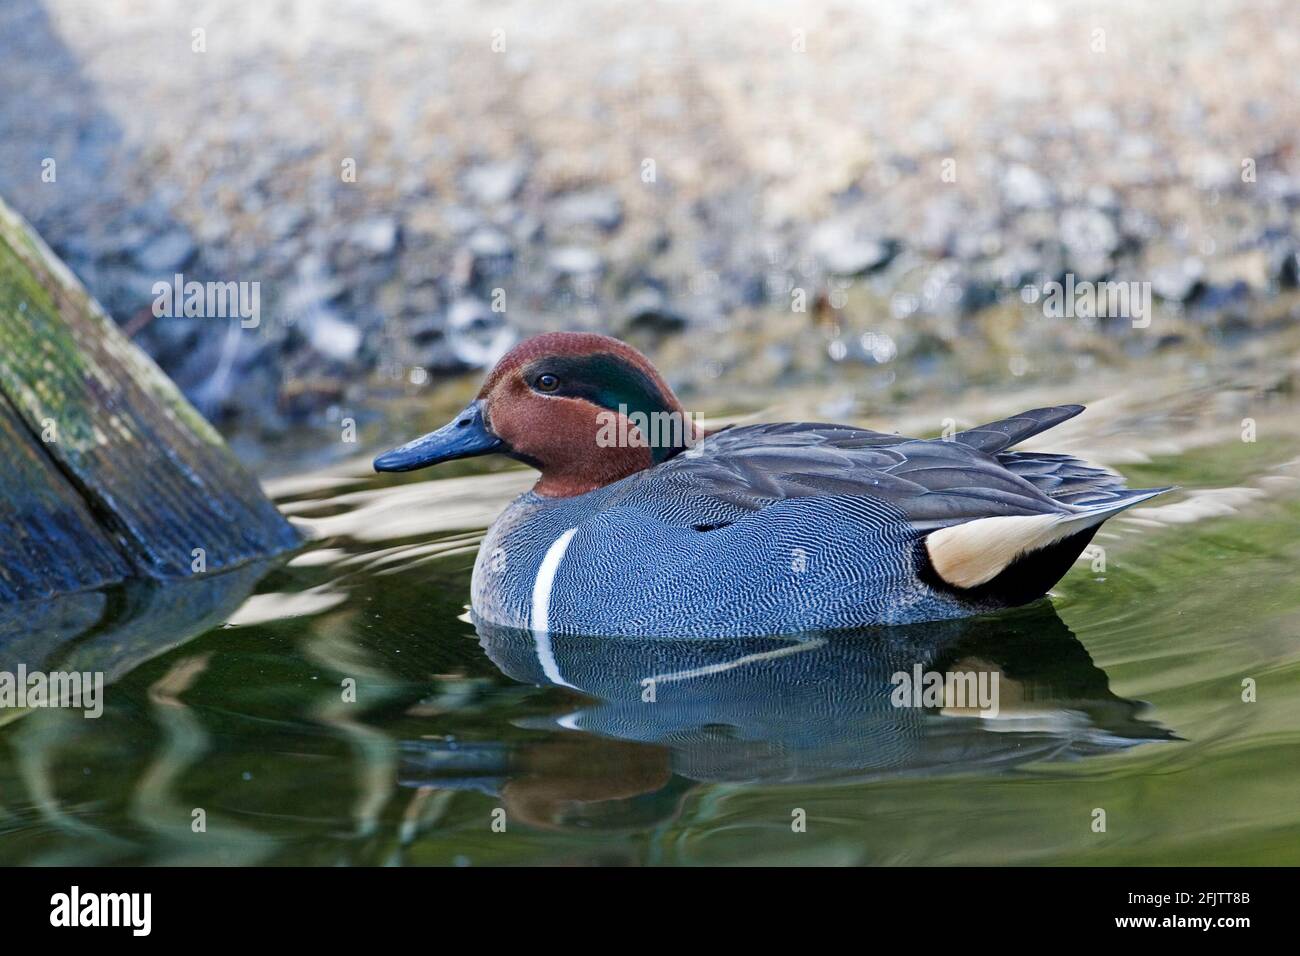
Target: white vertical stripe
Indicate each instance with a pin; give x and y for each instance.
(540, 620)
(546, 657)
(541, 615)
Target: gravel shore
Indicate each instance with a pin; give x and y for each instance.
(761, 195)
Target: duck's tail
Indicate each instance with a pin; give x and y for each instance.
(981, 552)
(1000, 435)
(1062, 478)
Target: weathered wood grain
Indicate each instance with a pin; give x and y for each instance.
(154, 478)
(50, 542)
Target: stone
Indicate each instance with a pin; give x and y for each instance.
(167, 253)
(1088, 232)
(1178, 282)
(331, 336)
(576, 261)
(647, 310)
(376, 235)
(595, 208)
(843, 249)
(476, 335)
(492, 183)
(1024, 188)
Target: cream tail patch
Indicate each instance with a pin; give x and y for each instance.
(974, 553)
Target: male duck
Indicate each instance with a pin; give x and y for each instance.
(757, 529)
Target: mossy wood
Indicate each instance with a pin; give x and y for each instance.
(107, 472)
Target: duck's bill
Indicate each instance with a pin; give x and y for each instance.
(464, 436)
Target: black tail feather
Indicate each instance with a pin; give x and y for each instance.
(1001, 435)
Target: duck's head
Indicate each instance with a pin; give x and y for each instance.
(574, 405)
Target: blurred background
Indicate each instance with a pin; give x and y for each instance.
(847, 198)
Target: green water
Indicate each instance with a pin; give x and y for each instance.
(1122, 693)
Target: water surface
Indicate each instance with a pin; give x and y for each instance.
(1122, 693)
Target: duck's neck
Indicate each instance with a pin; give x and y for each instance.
(567, 479)
(623, 444)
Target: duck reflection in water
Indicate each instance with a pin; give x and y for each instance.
(665, 715)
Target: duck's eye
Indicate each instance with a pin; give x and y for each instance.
(547, 383)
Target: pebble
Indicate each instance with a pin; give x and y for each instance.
(647, 310)
(1178, 282)
(1088, 232)
(601, 209)
(576, 261)
(332, 337)
(1023, 188)
(167, 253)
(492, 183)
(844, 250)
(376, 235)
(477, 335)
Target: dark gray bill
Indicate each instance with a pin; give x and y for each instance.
(464, 436)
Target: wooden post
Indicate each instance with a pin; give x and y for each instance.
(106, 471)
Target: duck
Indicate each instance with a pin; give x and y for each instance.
(644, 523)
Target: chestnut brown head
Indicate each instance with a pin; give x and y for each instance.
(583, 409)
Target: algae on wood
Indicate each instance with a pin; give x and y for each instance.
(104, 425)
